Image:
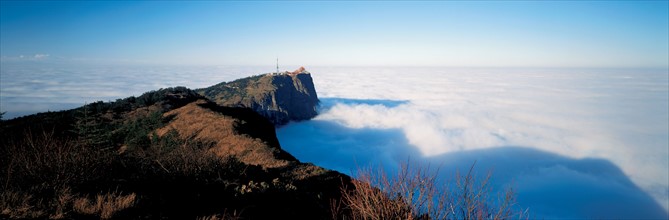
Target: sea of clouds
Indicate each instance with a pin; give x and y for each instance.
(572, 142)
(28, 87)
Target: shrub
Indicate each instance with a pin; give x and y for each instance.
(472, 199)
(48, 163)
(39, 171)
(417, 193)
(17, 205)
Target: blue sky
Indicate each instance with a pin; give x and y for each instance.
(536, 34)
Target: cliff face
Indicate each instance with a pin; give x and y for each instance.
(289, 96)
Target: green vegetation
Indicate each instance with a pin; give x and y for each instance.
(170, 98)
(108, 160)
(137, 133)
(44, 176)
(95, 123)
(173, 177)
(230, 91)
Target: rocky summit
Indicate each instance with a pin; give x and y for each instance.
(280, 97)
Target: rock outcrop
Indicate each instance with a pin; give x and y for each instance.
(279, 97)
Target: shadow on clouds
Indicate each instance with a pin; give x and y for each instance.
(337, 147)
(554, 186)
(548, 184)
(329, 102)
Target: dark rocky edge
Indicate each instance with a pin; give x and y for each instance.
(279, 97)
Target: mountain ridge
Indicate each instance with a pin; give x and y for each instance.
(280, 97)
(165, 140)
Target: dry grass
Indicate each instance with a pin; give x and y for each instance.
(51, 162)
(104, 205)
(234, 215)
(21, 205)
(17, 205)
(416, 193)
(40, 171)
(195, 122)
(306, 171)
(187, 158)
(62, 204)
(173, 175)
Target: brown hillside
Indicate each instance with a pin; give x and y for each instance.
(167, 154)
(203, 121)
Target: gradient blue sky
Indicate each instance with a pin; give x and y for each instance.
(546, 34)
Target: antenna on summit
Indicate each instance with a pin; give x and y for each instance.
(277, 65)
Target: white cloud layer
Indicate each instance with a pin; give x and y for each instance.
(28, 87)
(619, 115)
(445, 116)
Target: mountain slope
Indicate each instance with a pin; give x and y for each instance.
(278, 97)
(235, 131)
(170, 153)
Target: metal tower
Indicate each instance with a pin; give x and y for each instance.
(277, 65)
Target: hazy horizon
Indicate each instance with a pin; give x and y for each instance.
(34, 86)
